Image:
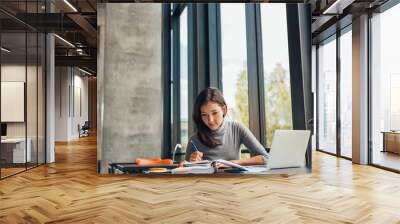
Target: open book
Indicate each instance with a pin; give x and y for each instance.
(194, 169)
(209, 167)
(205, 163)
(204, 167)
(231, 164)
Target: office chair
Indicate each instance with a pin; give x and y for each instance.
(84, 130)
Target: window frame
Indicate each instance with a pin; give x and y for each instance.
(381, 9)
(175, 103)
(205, 69)
(333, 37)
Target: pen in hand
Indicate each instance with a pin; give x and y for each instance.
(196, 155)
(195, 147)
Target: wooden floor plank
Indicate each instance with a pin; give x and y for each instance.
(70, 191)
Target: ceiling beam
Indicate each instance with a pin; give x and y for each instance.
(86, 27)
(337, 7)
(84, 61)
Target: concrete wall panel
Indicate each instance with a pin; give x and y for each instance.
(130, 82)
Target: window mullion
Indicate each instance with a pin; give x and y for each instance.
(254, 68)
(176, 80)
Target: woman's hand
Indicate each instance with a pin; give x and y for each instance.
(221, 166)
(196, 156)
(255, 160)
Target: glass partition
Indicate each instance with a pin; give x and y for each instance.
(14, 153)
(22, 87)
(327, 96)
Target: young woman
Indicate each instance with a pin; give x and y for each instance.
(217, 138)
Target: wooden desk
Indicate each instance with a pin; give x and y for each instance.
(131, 168)
(13, 150)
(391, 141)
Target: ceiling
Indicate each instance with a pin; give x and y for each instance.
(328, 16)
(74, 22)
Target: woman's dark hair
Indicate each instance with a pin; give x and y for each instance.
(203, 132)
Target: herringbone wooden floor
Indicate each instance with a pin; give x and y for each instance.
(70, 191)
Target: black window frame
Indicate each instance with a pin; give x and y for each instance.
(333, 37)
(381, 9)
(205, 64)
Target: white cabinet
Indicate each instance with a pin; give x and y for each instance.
(18, 149)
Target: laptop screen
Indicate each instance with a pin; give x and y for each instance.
(288, 148)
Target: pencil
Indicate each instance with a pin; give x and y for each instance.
(195, 147)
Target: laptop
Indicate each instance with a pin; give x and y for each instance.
(288, 149)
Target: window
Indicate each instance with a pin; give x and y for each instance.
(394, 102)
(226, 41)
(184, 88)
(346, 94)
(234, 62)
(172, 87)
(327, 96)
(278, 108)
(179, 77)
(385, 87)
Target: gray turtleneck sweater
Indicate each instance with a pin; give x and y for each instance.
(231, 134)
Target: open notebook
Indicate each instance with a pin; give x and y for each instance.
(194, 169)
(209, 162)
(205, 166)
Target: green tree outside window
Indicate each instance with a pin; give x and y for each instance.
(278, 107)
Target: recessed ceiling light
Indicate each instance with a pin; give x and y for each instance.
(337, 7)
(65, 41)
(5, 50)
(70, 5)
(84, 71)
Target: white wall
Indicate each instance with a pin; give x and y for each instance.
(16, 73)
(61, 103)
(13, 73)
(79, 117)
(70, 83)
(13, 100)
